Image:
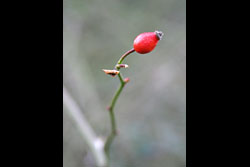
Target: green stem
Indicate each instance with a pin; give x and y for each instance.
(112, 117)
(125, 55)
(113, 102)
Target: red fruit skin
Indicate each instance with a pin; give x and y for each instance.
(145, 42)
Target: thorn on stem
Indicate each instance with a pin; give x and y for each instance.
(122, 66)
(108, 108)
(126, 80)
(116, 132)
(113, 73)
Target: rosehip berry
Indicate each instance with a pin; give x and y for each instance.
(146, 42)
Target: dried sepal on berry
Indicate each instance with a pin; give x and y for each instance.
(113, 73)
(159, 34)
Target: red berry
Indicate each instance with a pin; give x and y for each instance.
(146, 42)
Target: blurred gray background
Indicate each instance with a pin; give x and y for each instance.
(151, 111)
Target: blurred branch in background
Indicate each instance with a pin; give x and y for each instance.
(94, 143)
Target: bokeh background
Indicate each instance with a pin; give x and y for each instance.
(151, 111)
